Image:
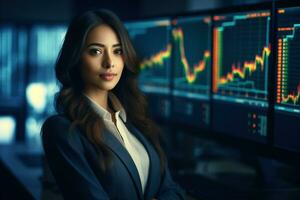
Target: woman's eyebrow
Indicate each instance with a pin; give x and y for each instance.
(102, 45)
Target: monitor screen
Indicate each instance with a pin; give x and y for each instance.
(151, 40)
(241, 50)
(45, 44)
(287, 106)
(13, 44)
(192, 70)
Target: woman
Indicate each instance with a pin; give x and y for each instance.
(102, 145)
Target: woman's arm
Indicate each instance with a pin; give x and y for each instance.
(64, 152)
(169, 190)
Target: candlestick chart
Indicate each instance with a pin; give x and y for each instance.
(287, 99)
(151, 40)
(241, 55)
(192, 56)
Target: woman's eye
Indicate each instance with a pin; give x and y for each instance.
(95, 52)
(119, 51)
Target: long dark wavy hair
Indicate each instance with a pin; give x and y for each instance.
(70, 100)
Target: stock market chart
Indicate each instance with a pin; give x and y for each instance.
(152, 44)
(192, 69)
(151, 40)
(287, 106)
(241, 51)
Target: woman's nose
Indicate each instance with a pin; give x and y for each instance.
(107, 61)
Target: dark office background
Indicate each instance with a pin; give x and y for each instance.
(206, 164)
(34, 10)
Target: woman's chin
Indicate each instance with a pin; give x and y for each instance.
(107, 87)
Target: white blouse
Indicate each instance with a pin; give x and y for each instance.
(134, 147)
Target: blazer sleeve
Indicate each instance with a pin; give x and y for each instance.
(65, 154)
(169, 190)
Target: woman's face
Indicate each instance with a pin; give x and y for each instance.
(102, 59)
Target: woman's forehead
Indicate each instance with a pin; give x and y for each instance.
(102, 34)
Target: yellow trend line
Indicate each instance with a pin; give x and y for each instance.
(191, 75)
(250, 66)
(292, 97)
(157, 59)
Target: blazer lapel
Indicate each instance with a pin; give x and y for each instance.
(115, 145)
(154, 170)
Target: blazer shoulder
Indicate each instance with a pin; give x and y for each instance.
(55, 125)
(59, 121)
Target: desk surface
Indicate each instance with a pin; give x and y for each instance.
(24, 161)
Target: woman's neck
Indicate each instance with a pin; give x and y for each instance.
(100, 97)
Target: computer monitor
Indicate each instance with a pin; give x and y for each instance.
(287, 105)
(151, 40)
(191, 37)
(44, 46)
(13, 44)
(241, 50)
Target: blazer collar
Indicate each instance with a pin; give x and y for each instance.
(115, 145)
(124, 156)
(154, 170)
(102, 112)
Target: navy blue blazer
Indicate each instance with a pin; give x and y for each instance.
(73, 161)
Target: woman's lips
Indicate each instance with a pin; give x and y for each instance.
(107, 76)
